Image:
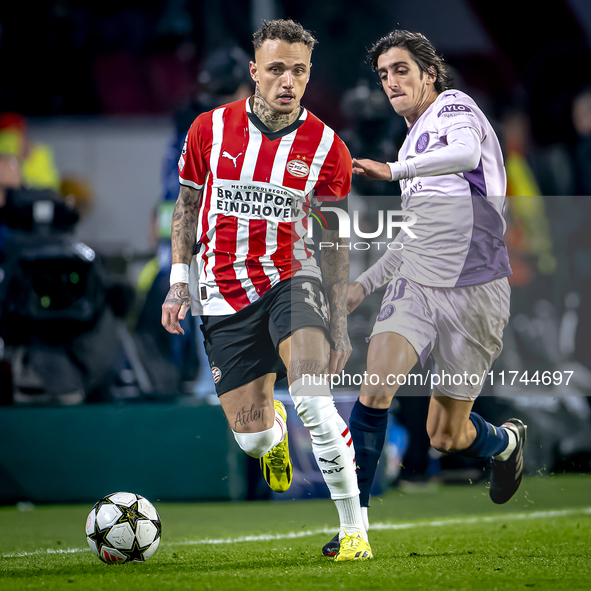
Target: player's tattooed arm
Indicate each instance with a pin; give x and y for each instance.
(183, 237)
(271, 118)
(335, 270)
(184, 224)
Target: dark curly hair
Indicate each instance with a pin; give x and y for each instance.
(284, 30)
(421, 51)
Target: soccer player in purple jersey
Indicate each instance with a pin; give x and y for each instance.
(448, 293)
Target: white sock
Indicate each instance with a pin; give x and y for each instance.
(333, 449)
(364, 514)
(280, 424)
(506, 453)
(258, 444)
(332, 443)
(350, 516)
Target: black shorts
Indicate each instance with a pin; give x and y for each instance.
(244, 346)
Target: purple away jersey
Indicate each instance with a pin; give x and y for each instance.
(460, 223)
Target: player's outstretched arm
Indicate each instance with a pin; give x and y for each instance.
(372, 169)
(335, 270)
(183, 238)
(461, 154)
(355, 295)
(380, 272)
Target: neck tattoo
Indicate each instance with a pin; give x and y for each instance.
(272, 119)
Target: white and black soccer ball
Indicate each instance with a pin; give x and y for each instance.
(123, 527)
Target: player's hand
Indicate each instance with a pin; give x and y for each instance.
(342, 347)
(372, 169)
(175, 307)
(355, 295)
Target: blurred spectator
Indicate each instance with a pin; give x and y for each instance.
(77, 193)
(171, 362)
(372, 133)
(38, 170)
(581, 118)
(528, 236)
(10, 175)
(31, 165)
(579, 239)
(58, 331)
(224, 77)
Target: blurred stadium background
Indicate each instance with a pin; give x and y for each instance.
(94, 98)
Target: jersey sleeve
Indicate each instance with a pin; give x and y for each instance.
(458, 110)
(192, 163)
(334, 182)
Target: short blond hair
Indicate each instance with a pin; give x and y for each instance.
(283, 30)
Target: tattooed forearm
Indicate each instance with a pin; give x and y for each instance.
(335, 270)
(271, 118)
(184, 224)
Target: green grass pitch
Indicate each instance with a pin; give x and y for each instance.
(450, 537)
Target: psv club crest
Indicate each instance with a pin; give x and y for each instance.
(298, 168)
(216, 374)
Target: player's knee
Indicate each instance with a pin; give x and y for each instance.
(382, 382)
(376, 392)
(255, 445)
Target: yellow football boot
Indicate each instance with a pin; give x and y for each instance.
(354, 547)
(276, 464)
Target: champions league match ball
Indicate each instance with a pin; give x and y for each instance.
(123, 527)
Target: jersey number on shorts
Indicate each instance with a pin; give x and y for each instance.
(398, 290)
(310, 299)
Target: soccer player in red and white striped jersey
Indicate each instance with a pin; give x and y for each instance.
(258, 187)
(250, 172)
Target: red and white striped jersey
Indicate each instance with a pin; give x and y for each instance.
(258, 187)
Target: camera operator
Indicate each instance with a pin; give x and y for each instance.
(57, 331)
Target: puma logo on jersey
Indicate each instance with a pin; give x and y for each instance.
(232, 158)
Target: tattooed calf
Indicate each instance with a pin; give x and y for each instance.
(244, 416)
